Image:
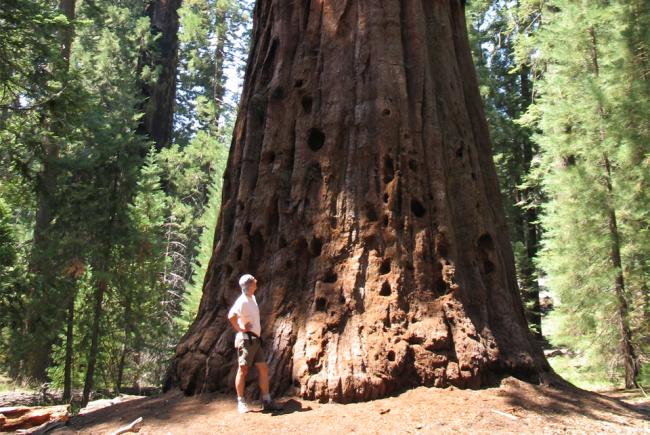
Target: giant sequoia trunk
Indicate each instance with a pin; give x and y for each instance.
(361, 193)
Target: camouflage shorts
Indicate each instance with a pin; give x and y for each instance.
(250, 352)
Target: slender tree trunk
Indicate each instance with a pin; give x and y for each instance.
(69, 341)
(125, 347)
(630, 362)
(530, 216)
(360, 191)
(94, 341)
(158, 120)
(120, 370)
(219, 78)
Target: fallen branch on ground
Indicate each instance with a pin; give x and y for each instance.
(505, 414)
(135, 426)
(21, 417)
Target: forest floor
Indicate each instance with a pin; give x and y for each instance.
(513, 407)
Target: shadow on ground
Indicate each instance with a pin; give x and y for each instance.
(561, 399)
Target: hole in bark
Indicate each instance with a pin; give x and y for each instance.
(473, 176)
(413, 165)
(386, 112)
(390, 355)
(288, 264)
(257, 249)
(321, 304)
(417, 208)
(385, 198)
(306, 104)
(278, 93)
(385, 266)
(247, 227)
(282, 243)
(389, 170)
(371, 214)
(238, 252)
(330, 277)
(488, 266)
(299, 83)
(316, 139)
(333, 222)
(459, 152)
(316, 246)
(485, 242)
(268, 157)
(385, 220)
(441, 286)
(240, 205)
(385, 289)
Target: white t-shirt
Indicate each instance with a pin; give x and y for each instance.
(246, 309)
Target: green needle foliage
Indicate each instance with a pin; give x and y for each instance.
(592, 115)
(98, 231)
(496, 28)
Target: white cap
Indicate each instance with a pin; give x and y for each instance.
(245, 281)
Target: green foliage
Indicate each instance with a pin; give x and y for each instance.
(211, 44)
(579, 370)
(116, 217)
(496, 28)
(26, 50)
(194, 289)
(591, 165)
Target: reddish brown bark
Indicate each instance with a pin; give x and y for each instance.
(361, 193)
(158, 120)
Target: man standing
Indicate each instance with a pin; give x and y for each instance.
(244, 317)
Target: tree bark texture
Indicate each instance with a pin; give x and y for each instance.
(361, 193)
(158, 120)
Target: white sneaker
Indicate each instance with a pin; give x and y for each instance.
(242, 407)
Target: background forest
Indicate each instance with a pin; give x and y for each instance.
(115, 121)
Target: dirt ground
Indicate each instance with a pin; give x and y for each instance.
(514, 407)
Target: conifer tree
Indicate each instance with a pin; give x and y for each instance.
(586, 176)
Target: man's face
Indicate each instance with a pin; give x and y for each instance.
(252, 286)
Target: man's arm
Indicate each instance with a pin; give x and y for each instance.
(234, 322)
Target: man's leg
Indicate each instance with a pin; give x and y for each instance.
(244, 363)
(240, 380)
(268, 403)
(263, 370)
